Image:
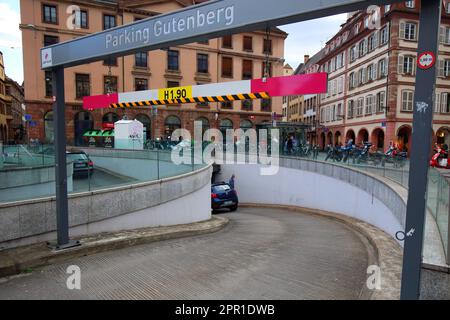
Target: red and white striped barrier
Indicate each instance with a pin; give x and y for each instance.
(315, 83)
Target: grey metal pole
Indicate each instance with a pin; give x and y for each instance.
(430, 17)
(62, 211)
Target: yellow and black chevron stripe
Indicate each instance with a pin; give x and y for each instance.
(234, 97)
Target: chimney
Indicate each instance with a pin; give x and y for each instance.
(306, 58)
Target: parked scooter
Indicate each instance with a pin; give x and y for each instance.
(440, 158)
(394, 156)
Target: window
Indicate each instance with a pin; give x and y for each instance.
(384, 35)
(267, 47)
(140, 84)
(227, 105)
(49, 40)
(387, 8)
(339, 112)
(361, 76)
(109, 21)
(48, 84)
(366, 22)
(407, 100)
(446, 68)
(369, 105)
(444, 35)
(248, 43)
(408, 30)
(202, 63)
(266, 105)
(406, 65)
(370, 72)
(360, 107)
(110, 62)
(353, 53)
(173, 60)
(109, 84)
(247, 69)
(447, 8)
(81, 19)
(373, 41)
(382, 68)
(409, 4)
(269, 69)
(49, 14)
(227, 42)
(381, 101)
(140, 59)
(172, 84)
(340, 85)
(227, 67)
(83, 85)
(362, 48)
(445, 102)
(247, 105)
(352, 81)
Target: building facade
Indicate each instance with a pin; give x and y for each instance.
(5, 112)
(287, 71)
(231, 58)
(16, 107)
(371, 65)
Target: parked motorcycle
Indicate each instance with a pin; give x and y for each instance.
(394, 156)
(440, 158)
(334, 153)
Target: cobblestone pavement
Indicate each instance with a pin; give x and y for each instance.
(262, 254)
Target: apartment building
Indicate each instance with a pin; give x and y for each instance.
(287, 71)
(14, 103)
(372, 76)
(231, 58)
(5, 114)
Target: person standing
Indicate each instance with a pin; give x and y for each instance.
(231, 182)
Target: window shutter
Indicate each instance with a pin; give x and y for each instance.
(375, 39)
(437, 102)
(414, 62)
(402, 30)
(375, 72)
(444, 97)
(441, 72)
(365, 45)
(386, 66)
(401, 61)
(442, 35)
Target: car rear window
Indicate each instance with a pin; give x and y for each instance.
(77, 156)
(221, 188)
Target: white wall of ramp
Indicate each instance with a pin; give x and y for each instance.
(295, 187)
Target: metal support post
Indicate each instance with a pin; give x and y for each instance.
(62, 211)
(430, 16)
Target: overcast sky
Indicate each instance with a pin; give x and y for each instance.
(304, 38)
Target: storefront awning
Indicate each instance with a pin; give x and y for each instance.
(92, 133)
(108, 133)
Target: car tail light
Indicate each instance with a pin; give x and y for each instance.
(91, 163)
(213, 195)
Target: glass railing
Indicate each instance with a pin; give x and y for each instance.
(27, 172)
(438, 191)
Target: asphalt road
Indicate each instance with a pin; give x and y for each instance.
(261, 254)
(99, 179)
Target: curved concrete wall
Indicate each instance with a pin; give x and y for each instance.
(177, 200)
(15, 183)
(322, 186)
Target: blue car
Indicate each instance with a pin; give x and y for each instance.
(222, 196)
